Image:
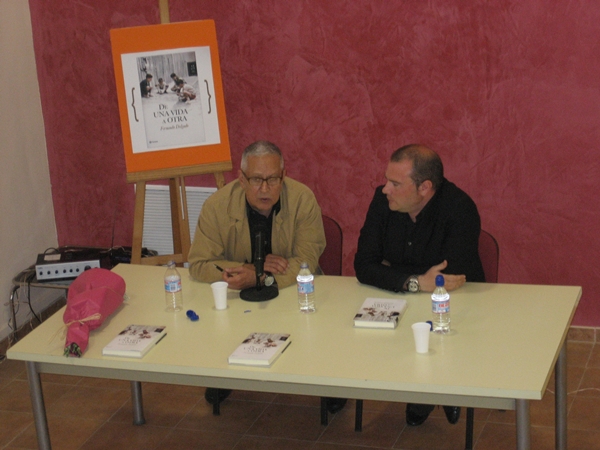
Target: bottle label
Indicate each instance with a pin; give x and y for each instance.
(440, 307)
(307, 287)
(173, 285)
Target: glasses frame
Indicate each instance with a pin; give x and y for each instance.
(257, 182)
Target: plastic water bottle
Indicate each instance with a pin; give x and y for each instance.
(173, 294)
(306, 289)
(440, 307)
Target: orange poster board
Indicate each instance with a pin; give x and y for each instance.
(170, 95)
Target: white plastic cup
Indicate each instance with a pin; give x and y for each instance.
(421, 332)
(219, 289)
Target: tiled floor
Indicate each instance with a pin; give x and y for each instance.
(90, 413)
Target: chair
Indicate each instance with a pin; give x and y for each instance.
(489, 253)
(331, 259)
(330, 263)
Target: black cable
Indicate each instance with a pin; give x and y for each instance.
(29, 301)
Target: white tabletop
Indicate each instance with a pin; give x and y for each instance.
(504, 342)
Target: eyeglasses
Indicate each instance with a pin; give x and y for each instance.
(258, 181)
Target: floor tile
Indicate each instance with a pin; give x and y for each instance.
(200, 440)
(160, 409)
(91, 382)
(584, 414)
(11, 369)
(594, 360)
(379, 429)
(15, 395)
(12, 424)
(121, 436)
(298, 400)
(584, 439)
(578, 353)
(267, 443)
(590, 383)
(88, 403)
(436, 434)
(66, 433)
(236, 417)
(288, 421)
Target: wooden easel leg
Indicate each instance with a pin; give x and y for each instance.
(179, 218)
(138, 222)
(220, 179)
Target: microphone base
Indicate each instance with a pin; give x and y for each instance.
(259, 295)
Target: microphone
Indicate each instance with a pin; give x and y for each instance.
(259, 293)
(259, 256)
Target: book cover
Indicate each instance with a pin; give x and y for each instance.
(380, 313)
(135, 341)
(165, 124)
(260, 349)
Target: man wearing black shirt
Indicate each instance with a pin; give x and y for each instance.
(419, 225)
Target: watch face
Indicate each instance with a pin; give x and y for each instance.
(269, 279)
(413, 285)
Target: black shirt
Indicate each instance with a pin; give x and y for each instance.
(257, 222)
(447, 228)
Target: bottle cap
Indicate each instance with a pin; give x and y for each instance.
(192, 315)
(439, 280)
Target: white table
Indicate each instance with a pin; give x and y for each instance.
(505, 342)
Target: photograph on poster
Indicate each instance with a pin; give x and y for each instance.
(170, 94)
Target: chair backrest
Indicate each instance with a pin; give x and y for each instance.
(489, 253)
(331, 259)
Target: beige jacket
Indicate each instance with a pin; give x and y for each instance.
(223, 235)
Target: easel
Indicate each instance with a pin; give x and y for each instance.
(179, 216)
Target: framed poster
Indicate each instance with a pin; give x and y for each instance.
(170, 93)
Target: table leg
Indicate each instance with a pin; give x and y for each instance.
(523, 425)
(39, 409)
(560, 406)
(136, 402)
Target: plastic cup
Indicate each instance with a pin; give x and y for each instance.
(219, 289)
(421, 333)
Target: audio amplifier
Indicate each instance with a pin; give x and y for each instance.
(66, 265)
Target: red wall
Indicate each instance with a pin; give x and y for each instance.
(506, 91)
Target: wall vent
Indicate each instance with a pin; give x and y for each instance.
(158, 232)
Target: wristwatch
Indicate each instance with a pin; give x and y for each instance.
(269, 279)
(413, 284)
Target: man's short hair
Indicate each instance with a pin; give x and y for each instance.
(260, 148)
(427, 164)
(179, 81)
(148, 75)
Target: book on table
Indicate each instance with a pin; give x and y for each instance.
(135, 341)
(260, 349)
(380, 313)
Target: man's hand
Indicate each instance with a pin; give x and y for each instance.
(244, 276)
(240, 277)
(276, 264)
(451, 282)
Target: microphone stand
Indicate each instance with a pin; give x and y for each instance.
(259, 293)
